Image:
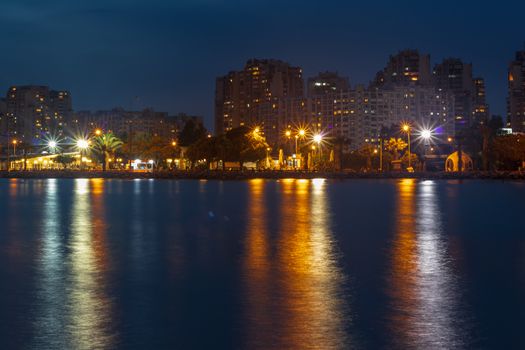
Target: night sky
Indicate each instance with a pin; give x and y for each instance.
(166, 54)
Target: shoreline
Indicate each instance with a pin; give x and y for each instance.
(246, 175)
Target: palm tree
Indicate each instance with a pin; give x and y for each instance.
(368, 151)
(105, 145)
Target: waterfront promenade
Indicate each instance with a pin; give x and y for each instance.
(242, 175)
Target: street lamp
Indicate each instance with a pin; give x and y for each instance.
(15, 142)
(98, 132)
(426, 135)
(406, 128)
(318, 138)
(52, 146)
(82, 145)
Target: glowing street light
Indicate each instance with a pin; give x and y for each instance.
(288, 133)
(302, 132)
(318, 138)
(406, 128)
(98, 132)
(426, 134)
(52, 145)
(82, 144)
(15, 142)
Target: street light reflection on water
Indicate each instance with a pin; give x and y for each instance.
(294, 285)
(75, 312)
(424, 292)
(305, 264)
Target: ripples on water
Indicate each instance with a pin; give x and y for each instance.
(293, 264)
(425, 310)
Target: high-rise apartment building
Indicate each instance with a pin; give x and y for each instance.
(3, 120)
(268, 94)
(480, 112)
(327, 83)
(404, 68)
(251, 96)
(361, 113)
(470, 105)
(134, 125)
(33, 112)
(516, 93)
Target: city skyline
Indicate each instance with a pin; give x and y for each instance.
(170, 60)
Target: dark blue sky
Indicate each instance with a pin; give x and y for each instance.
(168, 53)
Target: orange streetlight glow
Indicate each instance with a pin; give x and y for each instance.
(406, 128)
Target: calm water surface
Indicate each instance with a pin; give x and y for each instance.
(291, 264)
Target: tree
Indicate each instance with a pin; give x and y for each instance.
(155, 148)
(244, 145)
(65, 160)
(509, 151)
(488, 132)
(205, 148)
(339, 144)
(414, 160)
(106, 145)
(192, 132)
(367, 152)
(395, 145)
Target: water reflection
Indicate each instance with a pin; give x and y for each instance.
(49, 321)
(423, 288)
(300, 290)
(257, 266)
(90, 309)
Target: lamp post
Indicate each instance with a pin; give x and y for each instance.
(406, 128)
(426, 135)
(52, 145)
(82, 145)
(288, 133)
(318, 138)
(380, 154)
(15, 142)
(301, 133)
